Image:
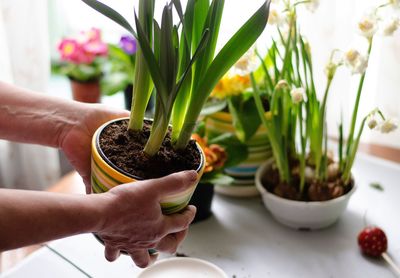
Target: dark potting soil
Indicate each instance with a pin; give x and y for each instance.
(125, 150)
(313, 191)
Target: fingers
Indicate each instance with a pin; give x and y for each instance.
(171, 242)
(173, 183)
(180, 221)
(142, 258)
(111, 253)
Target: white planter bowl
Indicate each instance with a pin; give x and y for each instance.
(301, 215)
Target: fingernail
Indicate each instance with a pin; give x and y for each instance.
(192, 175)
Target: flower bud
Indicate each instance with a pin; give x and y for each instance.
(372, 123)
(390, 26)
(297, 95)
(282, 84)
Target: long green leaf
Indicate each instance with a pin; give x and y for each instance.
(152, 65)
(241, 41)
(111, 14)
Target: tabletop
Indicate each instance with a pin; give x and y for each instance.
(245, 241)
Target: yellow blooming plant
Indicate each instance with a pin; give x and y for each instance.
(234, 91)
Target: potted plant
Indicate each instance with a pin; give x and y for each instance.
(220, 152)
(178, 60)
(236, 114)
(82, 59)
(305, 186)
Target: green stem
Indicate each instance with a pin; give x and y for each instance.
(355, 109)
(303, 150)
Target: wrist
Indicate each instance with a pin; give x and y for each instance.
(98, 206)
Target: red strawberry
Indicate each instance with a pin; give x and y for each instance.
(372, 241)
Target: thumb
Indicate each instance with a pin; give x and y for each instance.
(173, 183)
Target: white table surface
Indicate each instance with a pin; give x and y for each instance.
(243, 239)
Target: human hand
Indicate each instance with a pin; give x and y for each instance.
(133, 219)
(76, 139)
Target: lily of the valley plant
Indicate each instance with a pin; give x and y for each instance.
(179, 60)
(296, 121)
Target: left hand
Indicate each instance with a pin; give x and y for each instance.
(76, 140)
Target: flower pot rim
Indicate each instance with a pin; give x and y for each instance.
(264, 191)
(116, 168)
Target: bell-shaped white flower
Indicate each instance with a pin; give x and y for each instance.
(387, 126)
(312, 5)
(368, 26)
(297, 95)
(276, 18)
(247, 63)
(355, 61)
(388, 27)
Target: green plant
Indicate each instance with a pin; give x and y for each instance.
(179, 60)
(120, 66)
(296, 120)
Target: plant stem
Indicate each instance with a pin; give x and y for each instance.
(356, 104)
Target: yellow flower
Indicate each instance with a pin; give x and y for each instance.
(231, 85)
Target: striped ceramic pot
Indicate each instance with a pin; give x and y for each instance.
(105, 175)
(259, 151)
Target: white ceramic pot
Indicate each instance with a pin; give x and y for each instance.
(301, 215)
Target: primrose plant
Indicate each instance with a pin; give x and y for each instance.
(178, 60)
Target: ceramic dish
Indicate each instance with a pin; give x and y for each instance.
(183, 268)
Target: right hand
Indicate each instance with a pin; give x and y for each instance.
(134, 222)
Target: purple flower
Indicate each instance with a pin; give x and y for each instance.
(128, 44)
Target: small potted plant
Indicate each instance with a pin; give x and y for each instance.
(220, 152)
(177, 60)
(237, 115)
(305, 186)
(82, 59)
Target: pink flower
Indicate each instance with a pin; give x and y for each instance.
(72, 51)
(97, 48)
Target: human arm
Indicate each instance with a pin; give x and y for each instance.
(36, 118)
(128, 217)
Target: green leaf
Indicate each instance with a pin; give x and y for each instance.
(152, 65)
(241, 41)
(216, 178)
(245, 117)
(377, 186)
(114, 82)
(213, 106)
(111, 14)
(235, 149)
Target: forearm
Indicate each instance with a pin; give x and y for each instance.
(28, 217)
(31, 117)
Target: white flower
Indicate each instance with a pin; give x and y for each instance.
(367, 26)
(395, 3)
(247, 63)
(388, 27)
(387, 126)
(355, 61)
(275, 18)
(297, 95)
(312, 5)
(372, 123)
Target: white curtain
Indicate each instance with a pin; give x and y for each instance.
(24, 61)
(334, 26)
